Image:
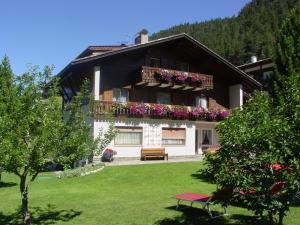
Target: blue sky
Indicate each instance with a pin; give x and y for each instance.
(56, 31)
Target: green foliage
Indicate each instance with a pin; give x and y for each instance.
(80, 171)
(252, 32)
(266, 132)
(288, 47)
(209, 171)
(33, 129)
(252, 140)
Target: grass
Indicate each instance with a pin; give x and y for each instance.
(119, 195)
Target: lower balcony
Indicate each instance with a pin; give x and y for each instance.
(157, 111)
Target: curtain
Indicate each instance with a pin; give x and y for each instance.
(120, 95)
(128, 139)
(206, 137)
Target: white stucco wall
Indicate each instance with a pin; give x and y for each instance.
(152, 136)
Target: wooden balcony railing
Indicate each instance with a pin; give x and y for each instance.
(156, 111)
(153, 76)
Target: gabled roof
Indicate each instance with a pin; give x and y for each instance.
(91, 58)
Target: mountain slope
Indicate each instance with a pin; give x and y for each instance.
(252, 32)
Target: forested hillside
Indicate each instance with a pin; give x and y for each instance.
(252, 32)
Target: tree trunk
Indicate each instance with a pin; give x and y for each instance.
(270, 214)
(281, 215)
(25, 211)
(0, 175)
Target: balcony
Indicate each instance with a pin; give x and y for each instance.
(174, 79)
(156, 111)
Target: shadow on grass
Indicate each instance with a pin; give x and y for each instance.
(7, 184)
(42, 216)
(203, 175)
(193, 216)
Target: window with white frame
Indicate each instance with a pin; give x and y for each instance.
(163, 98)
(206, 137)
(120, 95)
(129, 136)
(173, 136)
(201, 101)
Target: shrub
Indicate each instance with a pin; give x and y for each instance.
(81, 171)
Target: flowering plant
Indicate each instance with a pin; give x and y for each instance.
(180, 76)
(180, 112)
(137, 109)
(213, 115)
(198, 112)
(117, 107)
(223, 114)
(164, 75)
(196, 79)
(159, 110)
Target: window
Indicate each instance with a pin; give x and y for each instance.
(182, 66)
(163, 98)
(155, 62)
(206, 137)
(201, 102)
(120, 95)
(173, 136)
(129, 136)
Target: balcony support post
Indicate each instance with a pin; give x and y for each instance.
(236, 96)
(97, 83)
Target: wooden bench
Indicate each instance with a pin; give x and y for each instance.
(153, 153)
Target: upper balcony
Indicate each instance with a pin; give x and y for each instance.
(174, 79)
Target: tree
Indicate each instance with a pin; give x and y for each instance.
(252, 32)
(265, 135)
(33, 129)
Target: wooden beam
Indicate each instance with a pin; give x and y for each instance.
(153, 84)
(165, 85)
(176, 86)
(186, 88)
(141, 83)
(199, 89)
(127, 87)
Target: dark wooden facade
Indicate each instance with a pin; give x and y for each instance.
(180, 54)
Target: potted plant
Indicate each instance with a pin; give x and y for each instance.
(108, 155)
(180, 77)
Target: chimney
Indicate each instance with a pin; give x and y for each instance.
(141, 37)
(253, 59)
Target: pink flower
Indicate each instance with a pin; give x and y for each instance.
(223, 114)
(180, 112)
(180, 76)
(165, 75)
(137, 109)
(198, 111)
(159, 110)
(213, 115)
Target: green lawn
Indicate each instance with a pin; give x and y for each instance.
(119, 195)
